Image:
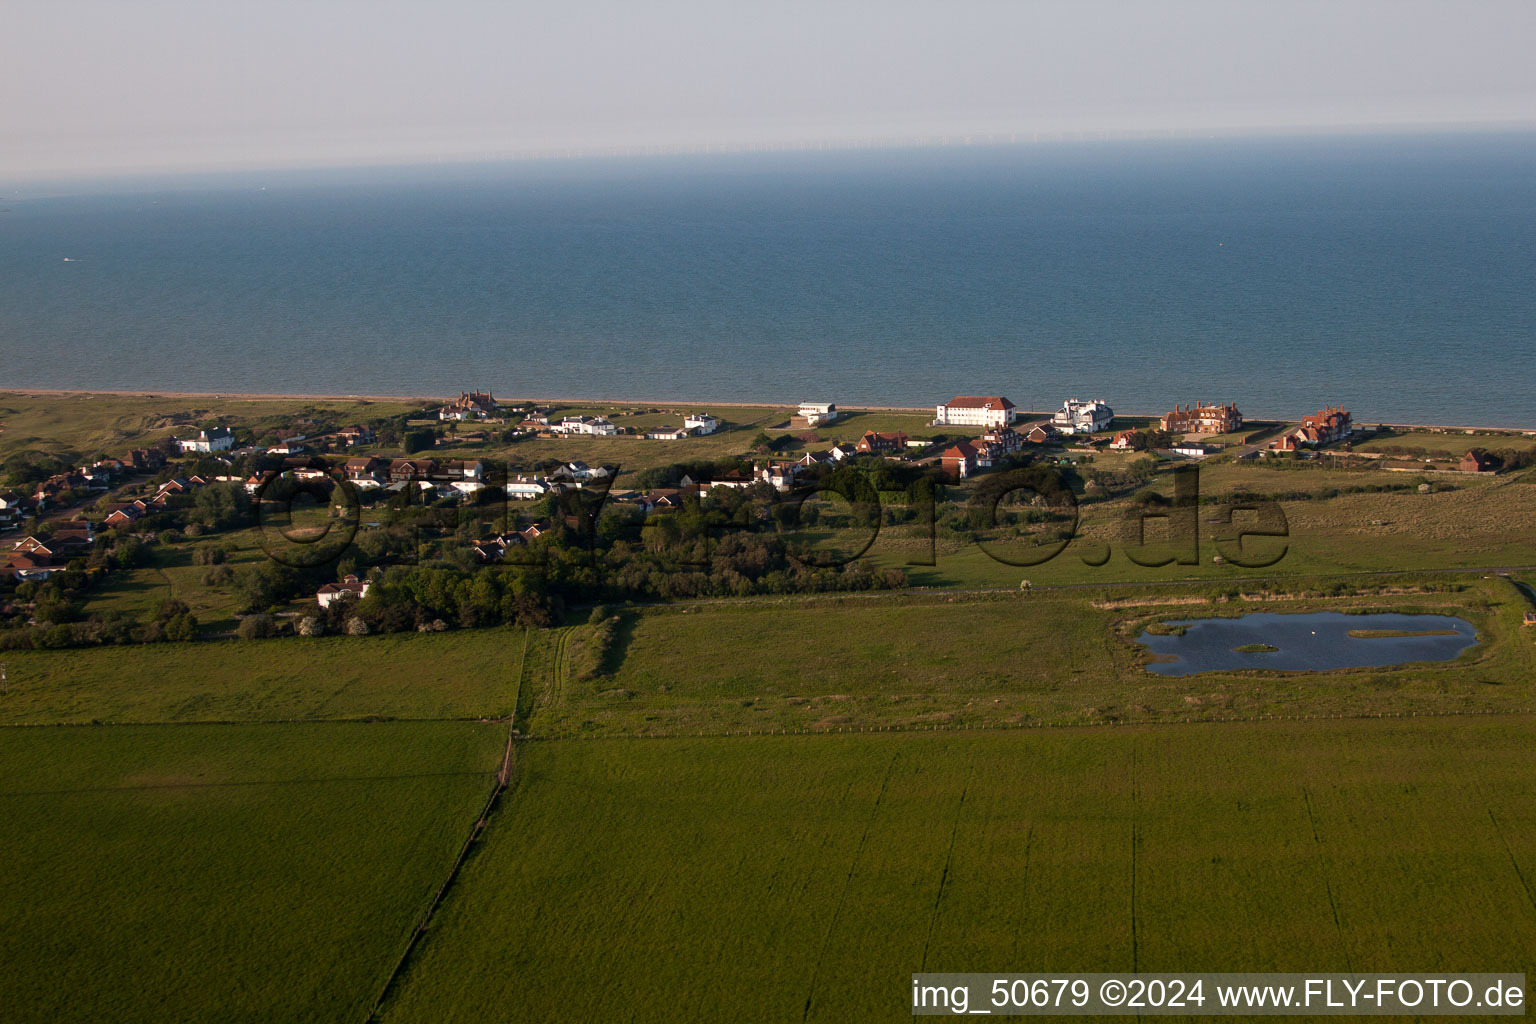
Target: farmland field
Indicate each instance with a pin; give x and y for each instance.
(1001, 660)
(807, 877)
(413, 675)
(224, 872)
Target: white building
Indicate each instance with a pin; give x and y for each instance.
(816, 413)
(975, 411)
(526, 488)
(583, 425)
(668, 433)
(350, 586)
(1079, 417)
(701, 423)
(219, 439)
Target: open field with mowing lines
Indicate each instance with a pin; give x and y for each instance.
(233, 873)
(806, 878)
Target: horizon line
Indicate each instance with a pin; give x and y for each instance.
(958, 140)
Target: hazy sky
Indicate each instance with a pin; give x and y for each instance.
(107, 85)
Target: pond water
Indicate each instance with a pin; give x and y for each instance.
(1313, 642)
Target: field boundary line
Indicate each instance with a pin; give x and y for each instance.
(503, 777)
(696, 734)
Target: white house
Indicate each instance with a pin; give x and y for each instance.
(816, 413)
(1079, 417)
(584, 425)
(701, 423)
(526, 488)
(1196, 449)
(350, 586)
(219, 439)
(975, 411)
(667, 433)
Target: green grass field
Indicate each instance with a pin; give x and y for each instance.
(410, 675)
(233, 873)
(807, 878)
(895, 661)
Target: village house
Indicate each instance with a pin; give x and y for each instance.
(1323, 427)
(1003, 439)
(1203, 419)
(354, 436)
(1124, 441)
(219, 439)
(587, 425)
(526, 488)
(403, 470)
(667, 433)
(146, 460)
(882, 443)
(287, 448)
(961, 460)
(839, 452)
(470, 405)
(1043, 433)
(975, 411)
(779, 475)
(1475, 462)
(366, 472)
(814, 414)
(349, 587)
(1530, 618)
(701, 423)
(1079, 417)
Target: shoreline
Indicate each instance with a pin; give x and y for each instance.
(257, 396)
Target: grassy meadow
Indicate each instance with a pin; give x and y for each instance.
(807, 877)
(1048, 657)
(406, 675)
(234, 873)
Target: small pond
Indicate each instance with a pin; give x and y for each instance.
(1313, 642)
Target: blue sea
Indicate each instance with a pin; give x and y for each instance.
(1395, 275)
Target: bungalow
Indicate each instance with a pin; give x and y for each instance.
(1195, 449)
(218, 439)
(11, 500)
(26, 567)
(882, 442)
(287, 448)
(666, 433)
(664, 499)
(1044, 433)
(122, 516)
(735, 479)
(598, 427)
(701, 423)
(976, 411)
(1079, 417)
(812, 459)
(354, 436)
(1530, 618)
(839, 452)
(350, 587)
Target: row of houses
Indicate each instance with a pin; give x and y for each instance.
(1322, 427)
(38, 557)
